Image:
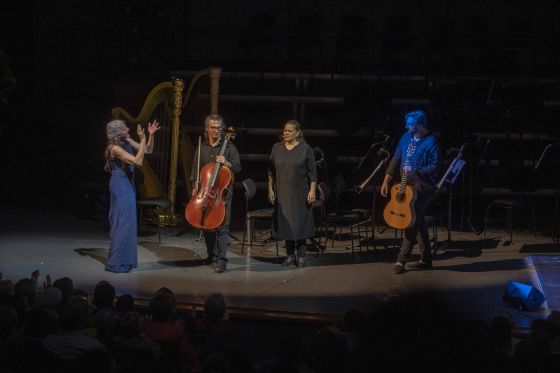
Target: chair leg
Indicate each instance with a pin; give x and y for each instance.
(158, 225)
(509, 224)
(485, 222)
(359, 238)
(534, 221)
(351, 239)
(434, 232)
(244, 235)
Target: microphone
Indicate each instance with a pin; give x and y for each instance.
(470, 139)
(383, 151)
(452, 150)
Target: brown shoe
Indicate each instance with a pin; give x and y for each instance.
(398, 268)
(421, 265)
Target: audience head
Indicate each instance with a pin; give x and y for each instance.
(124, 304)
(104, 321)
(103, 295)
(8, 321)
(6, 287)
(355, 322)
(50, 298)
(292, 347)
(37, 322)
(131, 325)
(26, 289)
(545, 327)
(162, 307)
(215, 307)
(65, 285)
(74, 313)
(501, 330)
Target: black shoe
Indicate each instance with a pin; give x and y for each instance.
(209, 260)
(422, 265)
(398, 268)
(290, 259)
(220, 269)
(300, 263)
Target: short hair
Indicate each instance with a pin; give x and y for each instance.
(104, 321)
(216, 117)
(131, 324)
(66, 286)
(162, 307)
(103, 294)
(74, 313)
(415, 118)
(124, 303)
(215, 307)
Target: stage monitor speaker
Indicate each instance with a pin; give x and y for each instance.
(523, 296)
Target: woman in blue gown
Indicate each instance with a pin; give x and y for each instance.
(120, 161)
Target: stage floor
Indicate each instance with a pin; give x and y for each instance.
(470, 280)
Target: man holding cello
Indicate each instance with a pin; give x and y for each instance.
(217, 241)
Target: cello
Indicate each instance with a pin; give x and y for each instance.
(206, 209)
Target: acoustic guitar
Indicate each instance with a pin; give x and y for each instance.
(399, 212)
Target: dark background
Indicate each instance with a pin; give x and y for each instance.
(487, 66)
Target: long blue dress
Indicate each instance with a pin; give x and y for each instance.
(122, 217)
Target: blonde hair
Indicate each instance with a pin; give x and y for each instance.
(113, 131)
(297, 127)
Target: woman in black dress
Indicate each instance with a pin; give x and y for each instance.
(292, 179)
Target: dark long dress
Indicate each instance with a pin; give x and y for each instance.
(122, 217)
(293, 171)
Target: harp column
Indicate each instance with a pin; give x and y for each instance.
(178, 88)
(215, 73)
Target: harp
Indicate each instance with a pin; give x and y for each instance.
(166, 171)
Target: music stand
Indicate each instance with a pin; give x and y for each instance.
(449, 177)
(551, 152)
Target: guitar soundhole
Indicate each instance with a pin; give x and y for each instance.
(401, 197)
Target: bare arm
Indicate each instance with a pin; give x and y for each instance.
(311, 194)
(271, 196)
(385, 185)
(153, 127)
(123, 155)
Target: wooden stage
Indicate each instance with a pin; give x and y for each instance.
(470, 280)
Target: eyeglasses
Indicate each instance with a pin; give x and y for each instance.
(218, 129)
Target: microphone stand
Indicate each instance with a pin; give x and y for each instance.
(316, 245)
(366, 156)
(359, 188)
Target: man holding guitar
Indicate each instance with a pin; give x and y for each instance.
(417, 157)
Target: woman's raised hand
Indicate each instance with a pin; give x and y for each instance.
(140, 132)
(153, 127)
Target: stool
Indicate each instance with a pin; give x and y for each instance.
(157, 203)
(508, 205)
